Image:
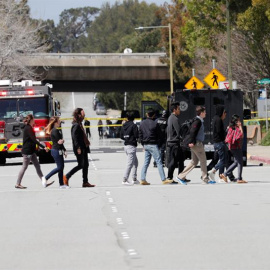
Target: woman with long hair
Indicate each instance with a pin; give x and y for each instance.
(58, 149)
(81, 148)
(29, 152)
(234, 139)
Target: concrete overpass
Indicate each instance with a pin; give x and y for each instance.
(103, 72)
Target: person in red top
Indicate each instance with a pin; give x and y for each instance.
(234, 140)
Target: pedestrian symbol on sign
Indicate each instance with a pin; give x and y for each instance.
(194, 84)
(215, 79)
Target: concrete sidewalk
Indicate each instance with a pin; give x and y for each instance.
(259, 153)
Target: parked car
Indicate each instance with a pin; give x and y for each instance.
(100, 109)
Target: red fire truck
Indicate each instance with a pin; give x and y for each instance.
(17, 100)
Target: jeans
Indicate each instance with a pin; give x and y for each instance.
(59, 160)
(238, 162)
(152, 150)
(132, 161)
(83, 164)
(220, 148)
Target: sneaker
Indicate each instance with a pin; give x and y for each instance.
(64, 187)
(211, 182)
(87, 185)
(205, 182)
(44, 181)
(187, 180)
(223, 177)
(127, 183)
(212, 175)
(136, 182)
(65, 180)
(221, 181)
(181, 181)
(144, 183)
(241, 181)
(167, 181)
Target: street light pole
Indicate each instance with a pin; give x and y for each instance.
(229, 47)
(170, 48)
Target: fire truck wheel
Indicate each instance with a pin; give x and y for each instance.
(46, 158)
(2, 160)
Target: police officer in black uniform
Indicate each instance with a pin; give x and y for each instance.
(163, 122)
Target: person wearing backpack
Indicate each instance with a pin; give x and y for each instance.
(195, 142)
(130, 134)
(175, 155)
(234, 139)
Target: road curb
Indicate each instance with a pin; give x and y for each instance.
(258, 158)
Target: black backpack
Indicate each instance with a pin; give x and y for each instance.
(185, 131)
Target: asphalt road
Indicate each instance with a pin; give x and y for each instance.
(222, 226)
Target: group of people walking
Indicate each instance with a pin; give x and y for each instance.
(155, 135)
(80, 145)
(154, 139)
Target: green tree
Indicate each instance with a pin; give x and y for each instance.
(115, 100)
(116, 22)
(69, 35)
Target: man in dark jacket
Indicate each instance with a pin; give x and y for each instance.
(150, 136)
(175, 155)
(163, 123)
(130, 134)
(219, 135)
(81, 148)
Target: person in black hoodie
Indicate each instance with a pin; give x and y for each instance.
(219, 135)
(163, 123)
(151, 139)
(29, 152)
(58, 149)
(130, 134)
(81, 148)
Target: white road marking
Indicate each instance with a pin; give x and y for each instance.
(132, 252)
(119, 221)
(125, 235)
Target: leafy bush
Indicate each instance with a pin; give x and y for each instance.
(266, 139)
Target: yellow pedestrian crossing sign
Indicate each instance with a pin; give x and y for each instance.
(213, 78)
(194, 84)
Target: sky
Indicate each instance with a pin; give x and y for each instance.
(51, 9)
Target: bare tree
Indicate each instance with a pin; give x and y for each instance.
(19, 37)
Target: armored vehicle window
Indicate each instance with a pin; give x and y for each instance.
(218, 101)
(199, 101)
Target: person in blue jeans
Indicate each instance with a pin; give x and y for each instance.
(150, 137)
(58, 150)
(219, 135)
